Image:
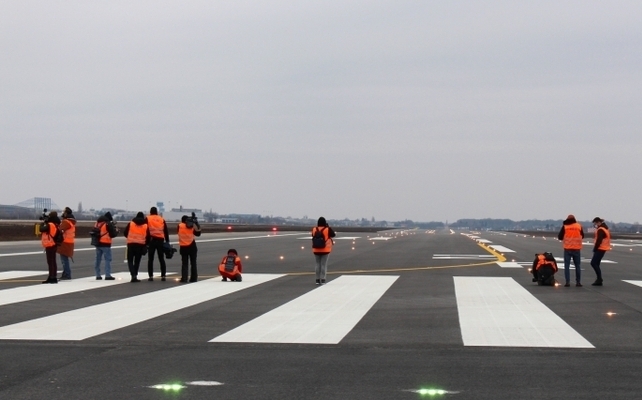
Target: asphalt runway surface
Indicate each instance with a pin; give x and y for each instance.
(405, 315)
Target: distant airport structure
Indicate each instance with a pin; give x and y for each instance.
(28, 209)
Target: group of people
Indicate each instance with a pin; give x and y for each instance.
(150, 235)
(572, 235)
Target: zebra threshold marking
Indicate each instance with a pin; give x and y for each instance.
(83, 323)
(324, 315)
(500, 312)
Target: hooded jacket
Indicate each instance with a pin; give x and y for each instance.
(138, 220)
(66, 248)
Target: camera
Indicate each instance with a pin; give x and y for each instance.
(45, 216)
(191, 221)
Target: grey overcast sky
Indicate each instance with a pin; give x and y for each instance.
(425, 110)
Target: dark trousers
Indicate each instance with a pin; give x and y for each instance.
(156, 246)
(596, 260)
(545, 275)
(188, 253)
(134, 254)
(51, 261)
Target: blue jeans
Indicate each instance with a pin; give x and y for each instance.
(321, 267)
(66, 270)
(100, 251)
(575, 255)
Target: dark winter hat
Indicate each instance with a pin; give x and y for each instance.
(140, 215)
(108, 216)
(322, 222)
(570, 216)
(53, 217)
(68, 211)
(184, 218)
(153, 210)
(233, 251)
(597, 219)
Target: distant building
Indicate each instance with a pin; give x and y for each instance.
(175, 214)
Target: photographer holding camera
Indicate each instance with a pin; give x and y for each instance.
(108, 231)
(187, 230)
(48, 230)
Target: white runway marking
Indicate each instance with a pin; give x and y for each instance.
(484, 241)
(509, 264)
(500, 312)
(33, 292)
(636, 283)
(95, 320)
(323, 316)
(20, 274)
(463, 257)
(501, 249)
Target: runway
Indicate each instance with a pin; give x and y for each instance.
(405, 315)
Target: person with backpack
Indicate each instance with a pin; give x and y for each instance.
(231, 267)
(137, 235)
(66, 248)
(106, 231)
(159, 235)
(544, 269)
(48, 231)
(322, 243)
(601, 245)
(187, 230)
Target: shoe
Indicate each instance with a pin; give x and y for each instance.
(183, 281)
(150, 279)
(193, 280)
(318, 282)
(135, 280)
(51, 280)
(534, 279)
(597, 283)
(567, 285)
(578, 284)
(109, 278)
(64, 277)
(323, 281)
(99, 278)
(224, 279)
(163, 278)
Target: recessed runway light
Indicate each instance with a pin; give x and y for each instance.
(246, 257)
(353, 248)
(610, 313)
(281, 257)
(302, 247)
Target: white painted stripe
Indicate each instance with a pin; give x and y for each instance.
(95, 320)
(380, 238)
(501, 249)
(509, 264)
(484, 241)
(500, 312)
(325, 315)
(34, 292)
(465, 255)
(489, 258)
(20, 274)
(636, 283)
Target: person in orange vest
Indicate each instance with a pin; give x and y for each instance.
(187, 230)
(158, 236)
(544, 269)
(322, 244)
(571, 236)
(601, 246)
(137, 236)
(66, 248)
(231, 267)
(46, 237)
(103, 248)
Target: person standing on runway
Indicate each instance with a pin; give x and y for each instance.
(571, 236)
(137, 236)
(103, 247)
(601, 246)
(66, 248)
(158, 236)
(48, 230)
(322, 244)
(187, 230)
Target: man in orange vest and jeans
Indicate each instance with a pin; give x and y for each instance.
(571, 236)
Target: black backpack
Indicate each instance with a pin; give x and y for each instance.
(58, 237)
(95, 235)
(229, 263)
(318, 240)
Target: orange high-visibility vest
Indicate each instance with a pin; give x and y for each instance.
(137, 233)
(229, 266)
(104, 233)
(46, 238)
(541, 260)
(606, 242)
(156, 224)
(326, 235)
(185, 235)
(69, 234)
(572, 236)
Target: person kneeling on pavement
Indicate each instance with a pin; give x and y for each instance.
(230, 266)
(544, 269)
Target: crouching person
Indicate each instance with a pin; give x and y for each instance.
(230, 266)
(544, 269)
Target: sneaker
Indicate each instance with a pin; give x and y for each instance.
(183, 281)
(597, 283)
(64, 277)
(163, 278)
(134, 280)
(578, 284)
(323, 281)
(109, 278)
(318, 282)
(224, 279)
(99, 278)
(567, 284)
(150, 279)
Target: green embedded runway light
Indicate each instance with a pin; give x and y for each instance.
(432, 392)
(172, 387)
